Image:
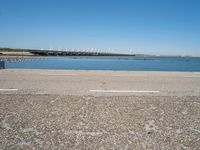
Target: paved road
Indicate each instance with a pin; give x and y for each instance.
(99, 83)
(126, 110)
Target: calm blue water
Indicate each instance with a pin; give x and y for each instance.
(112, 63)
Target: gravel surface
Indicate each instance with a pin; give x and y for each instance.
(99, 122)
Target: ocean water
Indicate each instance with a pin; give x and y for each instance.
(128, 63)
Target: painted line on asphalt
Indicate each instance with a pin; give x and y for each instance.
(59, 74)
(8, 90)
(123, 91)
(121, 75)
(191, 76)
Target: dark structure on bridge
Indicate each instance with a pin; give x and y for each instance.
(2, 65)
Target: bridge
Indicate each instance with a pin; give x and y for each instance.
(75, 53)
(66, 52)
(8, 55)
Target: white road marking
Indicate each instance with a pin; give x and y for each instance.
(121, 75)
(191, 76)
(123, 91)
(59, 74)
(9, 90)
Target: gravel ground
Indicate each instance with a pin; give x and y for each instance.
(104, 122)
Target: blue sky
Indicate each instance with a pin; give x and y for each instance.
(166, 27)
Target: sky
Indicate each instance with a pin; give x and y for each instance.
(161, 27)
